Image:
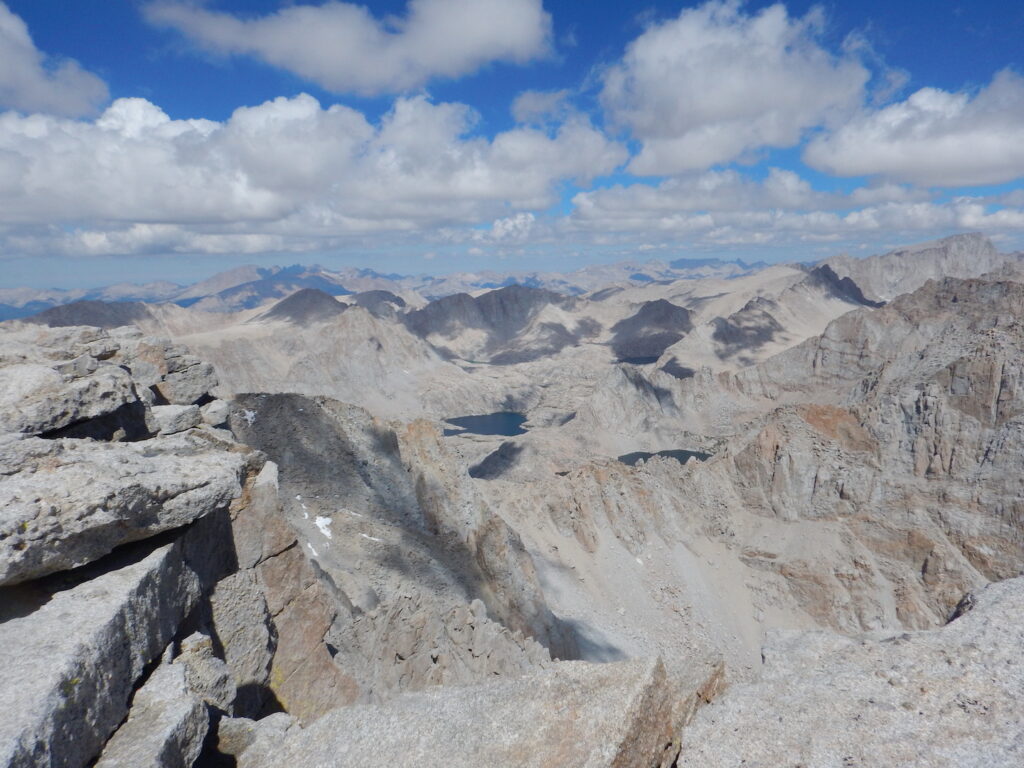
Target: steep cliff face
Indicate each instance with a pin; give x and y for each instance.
(414, 558)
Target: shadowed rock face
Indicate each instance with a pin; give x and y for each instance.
(502, 315)
(382, 304)
(497, 463)
(309, 305)
(839, 287)
(503, 312)
(102, 314)
(674, 368)
(655, 327)
(425, 546)
(747, 330)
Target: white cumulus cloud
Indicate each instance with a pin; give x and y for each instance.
(284, 175)
(716, 82)
(30, 81)
(345, 49)
(934, 138)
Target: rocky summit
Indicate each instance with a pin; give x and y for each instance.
(770, 516)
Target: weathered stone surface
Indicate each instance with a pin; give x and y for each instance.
(273, 614)
(74, 647)
(237, 734)
(303, 676)
(216, 413)
(576, 714)
(165, 728)
(36, 398)
(67, 502)
(247, 635)
(886, 276)
(207, 676)
(259, 530)
(188, 381)
(949, 696)
(171, 419)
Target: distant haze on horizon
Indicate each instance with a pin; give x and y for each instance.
(171, 140)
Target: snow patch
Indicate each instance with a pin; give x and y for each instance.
(324, 524)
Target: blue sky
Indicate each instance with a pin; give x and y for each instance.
(169, 139)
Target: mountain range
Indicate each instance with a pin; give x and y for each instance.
(771, 513)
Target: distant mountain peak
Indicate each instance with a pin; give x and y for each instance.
(308, 305)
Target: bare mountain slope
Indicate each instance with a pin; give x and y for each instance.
(885, 276)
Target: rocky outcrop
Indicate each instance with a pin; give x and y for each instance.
(947, 696)
(72, 654)
(418, 582)
(597, 716)
(107, 547)
(338, 588)
(655, 327)
(69, 502)
(510, 325)
(166, 727)
(885, 276)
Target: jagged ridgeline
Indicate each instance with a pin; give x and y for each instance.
(681, 516)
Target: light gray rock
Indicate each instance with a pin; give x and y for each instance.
(216, 413)
(246, 633)
(906, 269)
(82, 365)
(74, 647)
(949, 696)
(188, 380)
(36, 398)
(207, 676)
(165, 728)
(578, 714)
(175, 374)
(171, 419)
(64, 503)
(236, 735)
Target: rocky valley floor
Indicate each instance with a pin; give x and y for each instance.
(771, 517)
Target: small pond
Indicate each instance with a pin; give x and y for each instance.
(682, 456)
(505, 423)
(649, 360)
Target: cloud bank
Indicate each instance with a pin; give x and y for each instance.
(287, 171)
(697, 96)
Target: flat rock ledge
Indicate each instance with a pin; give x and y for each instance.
(620, 715)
